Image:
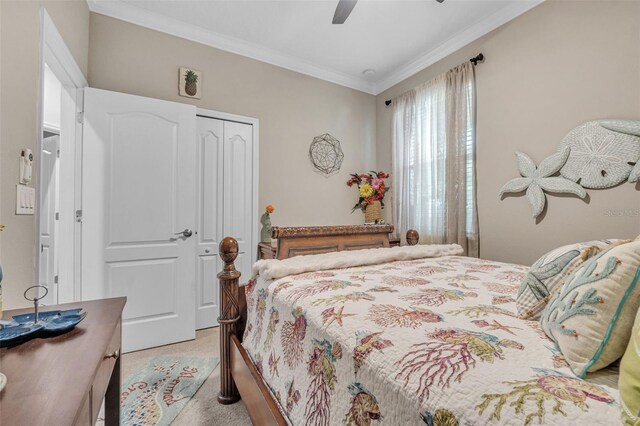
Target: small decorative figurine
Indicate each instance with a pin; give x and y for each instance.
(265, 220)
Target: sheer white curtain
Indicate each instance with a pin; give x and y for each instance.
(434, 160)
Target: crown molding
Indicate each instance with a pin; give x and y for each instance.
(456, 42)
(138, 16)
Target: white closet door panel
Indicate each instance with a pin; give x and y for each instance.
(139, 191)
(238, 190)
(48, 208)
(210, 193)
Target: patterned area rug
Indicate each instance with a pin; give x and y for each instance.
(157, 393)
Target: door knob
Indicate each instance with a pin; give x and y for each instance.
(115, 354)
(186, 233)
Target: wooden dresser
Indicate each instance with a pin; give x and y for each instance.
(62, 380)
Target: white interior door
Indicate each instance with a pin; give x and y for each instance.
(47, 216)
(210, 192)
(138, 196)
(238, 192)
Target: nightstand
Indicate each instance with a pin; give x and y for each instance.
(266, 251)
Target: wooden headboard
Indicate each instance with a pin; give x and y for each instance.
(297, 241)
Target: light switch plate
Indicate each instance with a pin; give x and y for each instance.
(25, 199)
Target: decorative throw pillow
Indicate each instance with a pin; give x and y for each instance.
(549, 272)
(629, 383)
(591, 317)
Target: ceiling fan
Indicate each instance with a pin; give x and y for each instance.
(344, 10)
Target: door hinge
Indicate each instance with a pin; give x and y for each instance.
(80, 117)
(79, 216)
(57, 215)
(55, 279)
(58, 153)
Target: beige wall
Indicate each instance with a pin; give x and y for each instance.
(19, 56)
(292, 109)
(547, 71)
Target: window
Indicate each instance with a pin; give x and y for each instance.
(433, 156)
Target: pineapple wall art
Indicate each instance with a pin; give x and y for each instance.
(190, 83)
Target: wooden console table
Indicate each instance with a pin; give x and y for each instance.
(62, 380)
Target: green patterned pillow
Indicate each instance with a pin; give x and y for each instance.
(548, 274)
(591, 317)
(629, 383)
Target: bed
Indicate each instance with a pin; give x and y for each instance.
(427, 339)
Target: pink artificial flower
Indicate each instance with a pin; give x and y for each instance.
(377, 183)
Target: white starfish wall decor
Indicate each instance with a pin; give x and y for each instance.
(537, 180)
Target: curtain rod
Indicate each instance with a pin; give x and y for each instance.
(474, 61)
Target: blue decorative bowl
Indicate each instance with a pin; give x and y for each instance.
(44, 316)
(23, 328)
(17, 332)
(64, 323)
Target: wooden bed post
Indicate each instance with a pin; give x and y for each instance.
(229, 316)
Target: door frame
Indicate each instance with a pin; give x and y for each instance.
(55, 53)
(255, 214)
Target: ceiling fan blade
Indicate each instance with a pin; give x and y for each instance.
(343, 11)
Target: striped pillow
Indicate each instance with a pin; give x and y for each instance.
(549, 272)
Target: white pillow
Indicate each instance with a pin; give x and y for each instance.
(591, 317)
(548, 273)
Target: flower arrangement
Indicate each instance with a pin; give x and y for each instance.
(371, 188)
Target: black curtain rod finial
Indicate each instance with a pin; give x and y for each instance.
(475, 60)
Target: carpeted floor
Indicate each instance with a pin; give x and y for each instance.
(203, 408)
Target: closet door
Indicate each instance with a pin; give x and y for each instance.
(238, 192)
(210, 192)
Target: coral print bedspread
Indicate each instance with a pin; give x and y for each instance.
(432, 340)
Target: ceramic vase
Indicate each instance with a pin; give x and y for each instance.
(265, 234)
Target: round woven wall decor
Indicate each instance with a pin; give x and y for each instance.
(325, 154)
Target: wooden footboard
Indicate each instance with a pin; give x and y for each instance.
(262, 408)
(238, 376)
